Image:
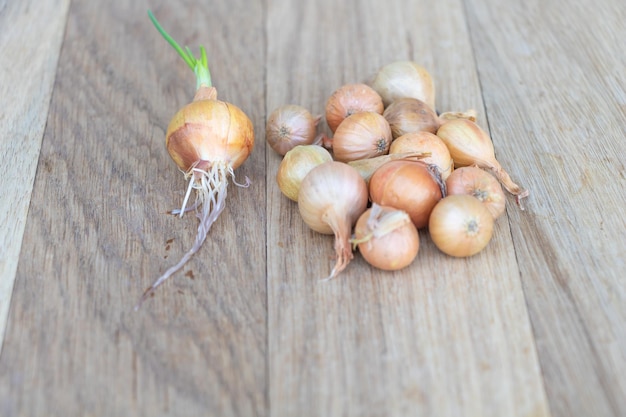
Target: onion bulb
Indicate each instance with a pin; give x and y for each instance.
(332, 197)
(425, 142)
(296, 164)
(386, 238)
(359, 136)
(479, 183)
(289, 126)
(404, 79)
(410, 115)
(470, 145)
(406, 185)
(207, 139)
(460, 225)
(349, 99)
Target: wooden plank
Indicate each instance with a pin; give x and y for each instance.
(29, 60)
(444, 337)
(97, 233)
(555, 90)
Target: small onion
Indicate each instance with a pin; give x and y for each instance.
(361, 135)
(470, 145)
(296, 164)
(386, 238)
(410, 115)
(479, 183)
(332, 197)
(425, 142)
(404, 79)
(349, 99)
(460, 225)
(289, 126)
(408, 186)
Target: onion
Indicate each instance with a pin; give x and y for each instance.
(460, 225)
(476, 182)
(289, 126)
(386, 238)
(408, 186)
(332, 197)
(410, 115)
(425, 142)
(404, 79)
(470, 145)
(359, 136)
(296, 164)
(349, 99)
(208, 139)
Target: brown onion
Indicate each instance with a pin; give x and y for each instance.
(332, 197)
(289, 126)
(470, 145)
(296, 164)
(410, 115)
(460, 225)
(386, 238)
(404, 79)
(479, 183)
(408, 186)
(349, 99)
(425, 142)
(359, 136)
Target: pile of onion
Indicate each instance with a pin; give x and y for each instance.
(391, 168)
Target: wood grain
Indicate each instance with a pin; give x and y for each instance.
(445, 337)
(98, 228)
(560, 93)
(27, 76)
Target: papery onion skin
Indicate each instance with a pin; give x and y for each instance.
(479, 183)
(460, 225)
(296, 164)
(404, 79)
(408, 186)
(391, 251)
(349, 99)
(332, 197)
(425, 142)
(361, 135)
(207, 131)
(289, 126)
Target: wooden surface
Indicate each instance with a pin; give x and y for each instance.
(532, 326)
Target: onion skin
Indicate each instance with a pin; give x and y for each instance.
(404, 79)
(296, 164)
(478, 183)
(460, 225)
(391, 249)
(332, 197)
(408, 186)
(289, 126)
(368, 166)
(349, 99)
(425, 142)
(470, 145)
(361, 135)
(207, 131)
